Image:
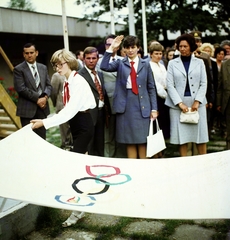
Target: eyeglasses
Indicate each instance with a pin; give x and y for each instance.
(59, 65)
(108, 44)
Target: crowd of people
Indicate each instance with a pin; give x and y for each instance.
(129, 90)
(104, 105)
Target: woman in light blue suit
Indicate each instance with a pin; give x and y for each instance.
(187, 86)
(133, 107)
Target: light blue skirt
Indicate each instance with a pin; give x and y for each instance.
(181, 133)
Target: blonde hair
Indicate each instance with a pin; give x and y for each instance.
(65, 55)
(207, 45)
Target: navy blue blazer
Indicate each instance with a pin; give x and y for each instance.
(145, 82)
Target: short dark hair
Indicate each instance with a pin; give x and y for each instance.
(190, 40)
(28, 45)
(131, 41)
(113, 36)
(218, 50)
(141, 52)
(78, 52)
(89, 50)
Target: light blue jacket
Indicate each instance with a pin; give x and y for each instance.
(177, 78)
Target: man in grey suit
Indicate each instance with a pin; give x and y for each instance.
(32, 83)
(112, 148)
(223, 96)
(57, 82)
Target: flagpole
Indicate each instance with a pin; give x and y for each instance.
(131, 18)
(145, 48)
(112, 16)
(64, 24)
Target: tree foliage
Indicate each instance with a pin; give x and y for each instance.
(21, 4)
(174, 15)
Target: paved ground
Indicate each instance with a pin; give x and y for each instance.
(199, 230)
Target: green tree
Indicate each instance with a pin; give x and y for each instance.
(21, 4)
(173, 15)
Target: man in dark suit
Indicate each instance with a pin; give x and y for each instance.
(91, 56)
(223, 96)
(32, 83)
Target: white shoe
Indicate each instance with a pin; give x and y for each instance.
(72, 219)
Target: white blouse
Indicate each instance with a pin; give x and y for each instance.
(159, 74)
(81, 99)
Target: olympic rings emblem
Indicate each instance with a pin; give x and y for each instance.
(87, 198)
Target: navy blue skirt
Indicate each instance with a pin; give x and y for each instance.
(131, 127)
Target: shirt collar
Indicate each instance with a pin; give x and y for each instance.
(89, 70)
(136, 60)
(32, 64)
(70, 79)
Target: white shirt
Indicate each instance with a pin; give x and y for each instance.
(136, 62)
(160, 74)
(81, 99)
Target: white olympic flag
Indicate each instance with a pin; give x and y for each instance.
(35, 171)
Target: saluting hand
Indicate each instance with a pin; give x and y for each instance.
(116, 43)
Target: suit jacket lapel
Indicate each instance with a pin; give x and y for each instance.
(41, 76)
(124, 79)
(140, 65)
(126, 61)
(193, 64)
(179, 65)
(88, 78)
(30, 76)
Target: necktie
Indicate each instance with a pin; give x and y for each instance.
(66, 95)
(37, 80)
(133, 76)
(98, 86)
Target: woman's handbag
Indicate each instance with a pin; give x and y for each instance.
(155, 142)
(189, 117)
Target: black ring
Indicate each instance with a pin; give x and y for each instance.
(105, 189)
